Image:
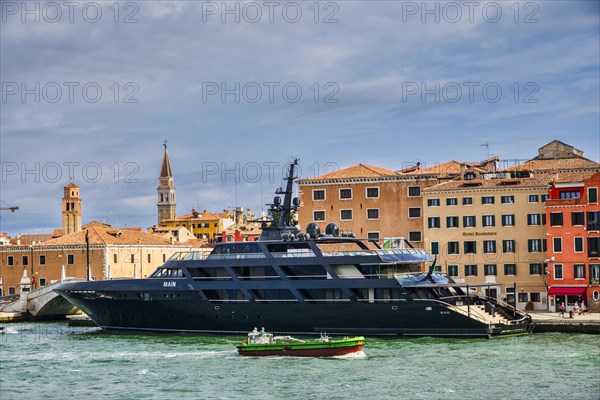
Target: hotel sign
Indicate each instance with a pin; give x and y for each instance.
(479, 233)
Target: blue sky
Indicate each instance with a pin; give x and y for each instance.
(95, 89)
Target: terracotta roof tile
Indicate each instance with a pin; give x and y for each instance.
(104, 235)
(356, 171)
(573, 163)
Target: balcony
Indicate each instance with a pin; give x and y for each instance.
(593, 226)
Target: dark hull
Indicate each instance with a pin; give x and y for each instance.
(192, 314)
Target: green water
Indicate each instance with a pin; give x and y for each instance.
(53, 361)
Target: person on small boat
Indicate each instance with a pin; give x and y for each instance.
(262, 330)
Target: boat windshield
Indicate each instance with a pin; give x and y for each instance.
(167, 273)
(187, 255)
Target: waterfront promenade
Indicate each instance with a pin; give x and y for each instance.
(547, 321)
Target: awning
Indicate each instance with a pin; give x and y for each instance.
(566, 291)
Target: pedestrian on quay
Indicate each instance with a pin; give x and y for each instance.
(562, 309)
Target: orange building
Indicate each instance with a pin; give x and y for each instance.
(573, 232)
(369, 201)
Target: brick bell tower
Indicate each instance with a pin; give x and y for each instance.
(71, 209)
(166, 190)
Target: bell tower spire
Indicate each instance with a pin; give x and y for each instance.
(166, 190)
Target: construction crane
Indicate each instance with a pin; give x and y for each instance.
(9, 208)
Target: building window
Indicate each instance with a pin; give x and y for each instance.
(470, 270)
(508, 246)
(510, 269)
(25, 260)
(318, 194)
(534, 245)
(433, 222)
(490, 269)
(373, 235)
(533, 198)
(489, 246)
(451, 201)
(578, 244)
(556, 219)
(535, 297)
(535, 269)
(470, 247)
(453, 270)
(577, 218)
(533, 219)
(346, 215)
(467, 201)
(42, 282)
(115, 258)
(558, 271)
(592, 195)
(544, 198)
(557, 245)
(10, 260)
(164, 257)
(569, 194)
(11, 290)
(487, 200)
(319, 215)
(42, 259)
(579, 271)
(433, 202)
(414, 212)
(522, 297)
(508, 220)
(149, 258)
(452, 222)
(132, 258)
(593, 245)
(469, 221)
(345, 194)
(593, 220)
(372, 192)
(372, 213)
(414, 236)
(70, 259)
(453, 248)
(414, 191)
(594, 274)
(488, 220)
(507, 199)
(435, 248)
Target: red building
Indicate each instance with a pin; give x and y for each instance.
(573, 240)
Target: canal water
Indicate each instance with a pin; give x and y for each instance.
(54, 361)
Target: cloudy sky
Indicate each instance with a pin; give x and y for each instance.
(91, 91)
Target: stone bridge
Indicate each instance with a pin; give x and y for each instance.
(43, 303)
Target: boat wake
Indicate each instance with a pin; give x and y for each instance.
(9, 330)
(357, 355)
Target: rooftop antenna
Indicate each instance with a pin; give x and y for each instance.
(487, 146)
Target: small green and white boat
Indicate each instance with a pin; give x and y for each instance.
(265, 344)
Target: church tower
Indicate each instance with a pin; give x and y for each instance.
(166, 190)
(71, 209)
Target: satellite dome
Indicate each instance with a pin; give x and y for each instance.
(332, 229)
(313, 230)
